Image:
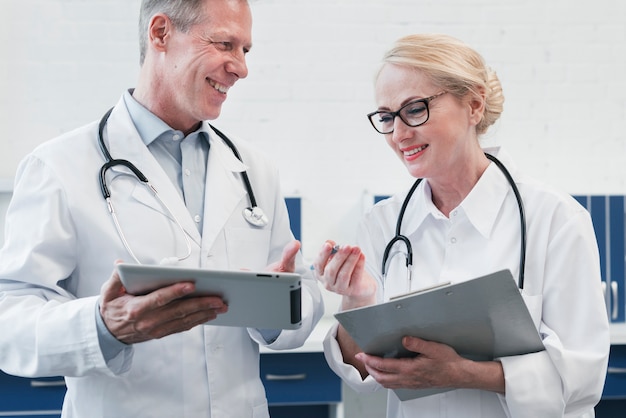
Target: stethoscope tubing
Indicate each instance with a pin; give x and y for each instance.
(109, 163)
(244, 174)
(409, 255)
(253, 214)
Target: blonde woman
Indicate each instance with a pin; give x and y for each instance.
(435, 99)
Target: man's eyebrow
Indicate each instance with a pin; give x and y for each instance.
(221, 35)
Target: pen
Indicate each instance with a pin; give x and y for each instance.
(332, 251)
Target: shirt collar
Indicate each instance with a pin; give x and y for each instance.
(148, 125)
(492, 187)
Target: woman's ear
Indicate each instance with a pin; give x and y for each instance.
(476, 103)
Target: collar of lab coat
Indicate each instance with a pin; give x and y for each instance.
(224, 189)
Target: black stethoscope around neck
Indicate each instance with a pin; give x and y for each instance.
(409, 248)
(253, 214)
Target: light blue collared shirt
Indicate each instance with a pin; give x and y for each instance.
(183, 158)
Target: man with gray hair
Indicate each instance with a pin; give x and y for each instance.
(63, 308)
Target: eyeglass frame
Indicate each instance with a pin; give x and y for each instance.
(397, 113)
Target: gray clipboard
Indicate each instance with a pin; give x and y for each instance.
(267, 300)
(482, 319)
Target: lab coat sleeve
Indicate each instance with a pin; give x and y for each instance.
(44, 329)
(366, 232)
(567, 379)
(348, 373)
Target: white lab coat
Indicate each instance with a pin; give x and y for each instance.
(60, 247)
(562, 291)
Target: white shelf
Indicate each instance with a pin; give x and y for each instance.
(618, 333)
(6, 185)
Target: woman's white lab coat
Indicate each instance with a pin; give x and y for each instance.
(562, 291)
(60, 247)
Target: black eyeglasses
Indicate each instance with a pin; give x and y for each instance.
(413, 114)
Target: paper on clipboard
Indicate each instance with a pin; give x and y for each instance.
(269, 300)
(482, 319)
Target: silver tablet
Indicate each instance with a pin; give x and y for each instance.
(255, 299)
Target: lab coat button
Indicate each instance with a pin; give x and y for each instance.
(197, 218)
(453, 240)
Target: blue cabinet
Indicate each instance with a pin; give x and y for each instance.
(300, 384)
(33, 398)
(607, 214)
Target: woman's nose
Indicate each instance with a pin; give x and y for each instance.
(401, 130)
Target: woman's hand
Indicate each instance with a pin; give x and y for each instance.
(434, 366)
(341, 270)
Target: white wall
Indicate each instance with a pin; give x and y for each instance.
(561, 63)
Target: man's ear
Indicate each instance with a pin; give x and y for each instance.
(159, 31)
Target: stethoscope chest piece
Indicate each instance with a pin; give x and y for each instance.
(255, 216)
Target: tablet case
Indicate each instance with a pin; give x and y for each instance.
(482, 319)
(267, 300)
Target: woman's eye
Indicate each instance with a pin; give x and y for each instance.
(384, 117)
(415, 109)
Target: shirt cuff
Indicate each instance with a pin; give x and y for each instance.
(110, 346)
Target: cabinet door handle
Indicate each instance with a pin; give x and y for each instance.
(616, 370)
(46, 383)
(297, 376)
(614, 300)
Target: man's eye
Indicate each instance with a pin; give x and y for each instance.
(223, 46)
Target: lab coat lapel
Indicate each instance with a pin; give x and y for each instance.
(124, 143)
(224, 188)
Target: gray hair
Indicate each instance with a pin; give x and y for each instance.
(183, 13)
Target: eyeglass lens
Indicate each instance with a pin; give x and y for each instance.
(413, 114)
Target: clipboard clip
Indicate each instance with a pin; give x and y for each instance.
(422, 290)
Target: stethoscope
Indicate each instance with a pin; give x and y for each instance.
(253, 214)
(409, 249)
